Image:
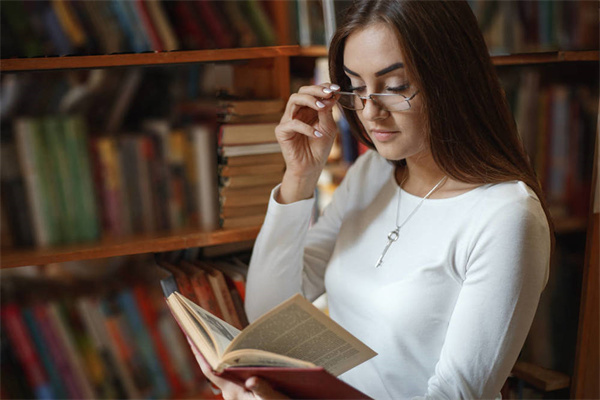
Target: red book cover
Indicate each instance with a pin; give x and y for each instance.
(299, 383)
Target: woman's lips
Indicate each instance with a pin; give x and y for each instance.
(383, 135)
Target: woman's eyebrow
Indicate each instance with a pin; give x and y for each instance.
(378, 73)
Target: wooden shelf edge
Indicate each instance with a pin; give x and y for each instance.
(313, 51)
(192, 56)
(546, 57)
(122, 247)
(143, 59)
(541, 378)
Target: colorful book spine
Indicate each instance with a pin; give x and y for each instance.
(143, 343)
(150, 317)
(57, 350)
(43, 350)
(22, 342)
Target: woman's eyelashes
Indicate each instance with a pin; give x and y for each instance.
(361, 90)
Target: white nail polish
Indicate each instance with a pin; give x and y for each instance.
(334, 87)
(327, 90)
(318, 134)
(320, 105)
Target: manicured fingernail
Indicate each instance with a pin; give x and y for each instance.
(327, 90)
(320, 105)
(334, 87)
(318, 134)
(251, 383)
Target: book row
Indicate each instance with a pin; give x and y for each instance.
(557, 124)
(66, 340)
(121, 344)
(82, 189)
(67, 27)
(530, 26)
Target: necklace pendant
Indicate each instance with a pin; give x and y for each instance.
(392, 237)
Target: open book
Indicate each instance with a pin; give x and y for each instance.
(294, 341)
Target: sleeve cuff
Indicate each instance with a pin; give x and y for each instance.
(299, 208)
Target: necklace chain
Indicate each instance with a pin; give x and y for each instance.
(394, 234)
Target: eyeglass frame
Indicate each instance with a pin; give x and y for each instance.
(363, 100)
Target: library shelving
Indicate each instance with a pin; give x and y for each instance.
(281, 56)
(280, 59)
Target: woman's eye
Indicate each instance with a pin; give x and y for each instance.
(397, 89)
(357, 89)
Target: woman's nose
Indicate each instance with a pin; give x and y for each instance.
(373, 111)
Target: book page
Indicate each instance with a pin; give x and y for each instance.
(219, 331)
(299, 330)
(252, 358)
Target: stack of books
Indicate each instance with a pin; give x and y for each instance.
(250, 162)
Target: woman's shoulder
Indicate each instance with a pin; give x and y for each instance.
(511, 201)
(510, 192)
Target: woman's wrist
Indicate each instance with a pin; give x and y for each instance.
(295, 188)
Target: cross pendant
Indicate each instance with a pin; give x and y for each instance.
(392, 237)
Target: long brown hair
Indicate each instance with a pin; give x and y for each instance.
(472, 134)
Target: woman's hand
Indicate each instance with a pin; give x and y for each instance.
(253, 389)
(306, 134)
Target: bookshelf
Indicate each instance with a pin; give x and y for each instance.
(279, 59)
(282, 57)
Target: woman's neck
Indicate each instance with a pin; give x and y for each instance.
(419, 175)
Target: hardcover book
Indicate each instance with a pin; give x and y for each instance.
(295, 347)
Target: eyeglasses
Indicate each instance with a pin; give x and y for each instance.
(385, 101)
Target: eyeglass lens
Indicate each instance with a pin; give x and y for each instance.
(387, 102)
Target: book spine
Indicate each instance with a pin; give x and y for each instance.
(145, 149)
(94, 321)
(123, 338)
(204, 146)
(22, 342)
(91, 225)
(28, 160)
(73, 356)
(57, 350)
(43, 350)
(149, 314)
(146, 19)
(144, 343)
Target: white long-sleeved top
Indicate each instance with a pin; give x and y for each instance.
(451, 306)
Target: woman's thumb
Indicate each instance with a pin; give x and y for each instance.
(262, 389)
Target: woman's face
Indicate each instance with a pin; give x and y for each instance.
(373, 61)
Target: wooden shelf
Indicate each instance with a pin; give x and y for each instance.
(121, 247)
(546, 57)
(196, 56)
(312, 51)
(143, 59)
(541, 378)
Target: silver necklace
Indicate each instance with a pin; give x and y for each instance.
(393, 235)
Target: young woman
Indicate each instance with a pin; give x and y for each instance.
(435, 248)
